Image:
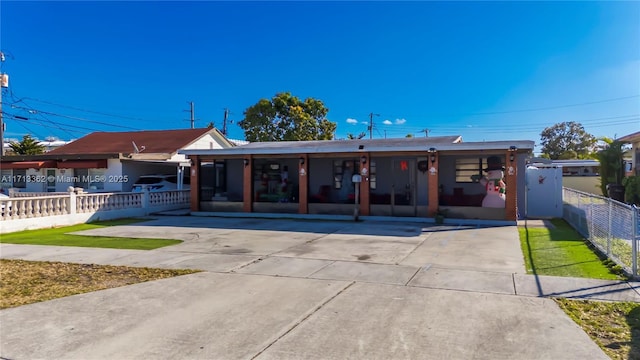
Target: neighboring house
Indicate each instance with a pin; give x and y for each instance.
(582, 175)
(414, 177)
(107, 161)
(634, 140)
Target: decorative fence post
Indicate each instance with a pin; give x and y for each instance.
(73, 201)
(145, 200)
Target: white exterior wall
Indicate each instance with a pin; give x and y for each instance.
(35, 186)
(114, 179)
(205, 142)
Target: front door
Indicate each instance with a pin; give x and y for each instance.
(50, 180)
(403, 199)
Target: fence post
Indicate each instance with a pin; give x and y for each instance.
(609, 228)
(634, 243)
(72, 201)
(591, 235)
(579, 215)
(145, 201)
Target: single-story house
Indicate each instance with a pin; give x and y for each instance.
(634, 140)
(414, 177)
(107, 161)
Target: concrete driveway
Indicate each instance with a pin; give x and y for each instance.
(301, 290)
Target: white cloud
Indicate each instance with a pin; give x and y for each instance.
(364, 123)
(352, 121)
(400, 121)
(387, 122)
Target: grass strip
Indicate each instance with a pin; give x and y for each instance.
(561, 251)
(26, 282)
(614, 326)
(61, 237)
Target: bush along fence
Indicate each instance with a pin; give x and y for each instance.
(76, 207)
(611, 226)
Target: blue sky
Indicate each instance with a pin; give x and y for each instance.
(483, 70)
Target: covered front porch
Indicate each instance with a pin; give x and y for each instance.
(303, 180)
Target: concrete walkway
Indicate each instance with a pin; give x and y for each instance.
(310, 289)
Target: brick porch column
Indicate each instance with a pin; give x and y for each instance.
(364, 185)
(247, 186)
(303, 184)
(195, 183)
(511, 181)
(432, 187)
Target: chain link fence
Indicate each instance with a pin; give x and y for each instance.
(611, 226)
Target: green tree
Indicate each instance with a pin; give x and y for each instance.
(409, 136)
(350, 136)
(611, 163)
(28, 146)
(287, 118)
(567, 140)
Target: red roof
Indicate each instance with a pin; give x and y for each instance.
(152, 142)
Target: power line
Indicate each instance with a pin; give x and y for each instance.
(34, 111)
(518, 125)
(20, 120)
(541, 108)
(84, 110)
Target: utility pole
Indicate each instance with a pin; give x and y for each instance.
(370, 127)
(193, 119)
(224, 122)
(426, 132)
(4, 82)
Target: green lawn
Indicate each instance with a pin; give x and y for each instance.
(61, 237)
(560, 251)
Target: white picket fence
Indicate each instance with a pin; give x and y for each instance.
(36, 212)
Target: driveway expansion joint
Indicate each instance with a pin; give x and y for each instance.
(304, 318)
(235, 269)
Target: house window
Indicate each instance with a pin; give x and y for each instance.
(81, 177)
(7, 179)
(16, 178)
(96, 179)
(469, 168)
(373, 183)
(213, 180)
(343, 170)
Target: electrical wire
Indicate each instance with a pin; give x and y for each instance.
(85, 110)
(74, 118)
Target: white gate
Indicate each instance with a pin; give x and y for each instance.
(544, 191)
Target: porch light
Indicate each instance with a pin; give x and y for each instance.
(432, 155)
(301, 160)
(246, 162)
(512, 153)
(363, 160)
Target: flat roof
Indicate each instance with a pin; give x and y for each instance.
(441, 143)
(566, 163)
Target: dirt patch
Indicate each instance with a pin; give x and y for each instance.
(25, 282)
(363, 257)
